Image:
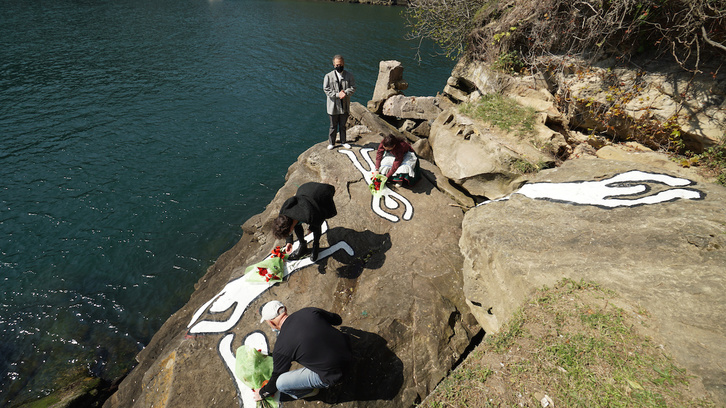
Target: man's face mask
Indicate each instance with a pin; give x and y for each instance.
(339, 68)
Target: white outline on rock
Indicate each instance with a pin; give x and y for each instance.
(607, 193)
(240, 293)
(255, 339)
(388, 196)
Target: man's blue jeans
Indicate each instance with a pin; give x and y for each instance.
(299, 383)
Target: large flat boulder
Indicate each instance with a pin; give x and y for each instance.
(390, 267)
(655, 237)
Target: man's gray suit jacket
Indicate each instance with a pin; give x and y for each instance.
(335, 105)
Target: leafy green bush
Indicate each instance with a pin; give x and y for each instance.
(509, 62)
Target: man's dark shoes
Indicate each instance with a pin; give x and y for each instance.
(311, 394)
(298, 253)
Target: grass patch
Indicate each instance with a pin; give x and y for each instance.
(713, 162)
(523, 166)
(570, 344)
(502, 112)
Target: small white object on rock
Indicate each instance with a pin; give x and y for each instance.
(547, 402)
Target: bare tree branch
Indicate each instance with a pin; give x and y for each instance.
(498, 30)
(711, 42)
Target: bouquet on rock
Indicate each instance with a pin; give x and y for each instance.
(254, 369)
(377, 183)
(269, 270)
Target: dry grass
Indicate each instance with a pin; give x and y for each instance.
(572, 345)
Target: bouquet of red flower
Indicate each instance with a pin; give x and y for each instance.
(254, 369)
(277, 253)
(269, 270)
(265, 273)
(377, 183)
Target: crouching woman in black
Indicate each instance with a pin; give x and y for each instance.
(312, 204)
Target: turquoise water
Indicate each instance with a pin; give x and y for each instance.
(135, 137)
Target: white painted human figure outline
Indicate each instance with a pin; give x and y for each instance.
(603, 193)
(389, 196)
(239, 294)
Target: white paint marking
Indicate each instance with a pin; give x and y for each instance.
(389, 197)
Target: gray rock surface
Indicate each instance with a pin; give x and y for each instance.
(634, 152)
(657, 91)
(360, 115)
(664, 92)
(412, 107)
(669, 257)
(478, 157)
(423, 149)
(390, 82)
(399, 293)
(423, 129)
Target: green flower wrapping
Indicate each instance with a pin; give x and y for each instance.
(254, 369)
(377, 183)
(268, 271)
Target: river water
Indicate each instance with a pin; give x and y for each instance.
(135, 137)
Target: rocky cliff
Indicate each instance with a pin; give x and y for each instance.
(417, 273)
(656, 238)
(393, 271)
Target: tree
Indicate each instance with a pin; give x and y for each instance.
(687, 30)
(446, 22)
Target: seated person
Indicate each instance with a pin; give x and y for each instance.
(312, 204)
(397, 161)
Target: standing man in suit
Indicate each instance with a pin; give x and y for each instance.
(338, 85)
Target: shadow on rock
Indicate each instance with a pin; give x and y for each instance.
(369, 249)
(376, 374)
(423, 185)
(372, 145)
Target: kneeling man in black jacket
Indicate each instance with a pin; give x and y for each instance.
(308, 337)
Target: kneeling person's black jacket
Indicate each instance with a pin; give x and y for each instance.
(312, 204)
(308, 337)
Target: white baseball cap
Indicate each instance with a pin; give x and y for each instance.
(270, 310)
